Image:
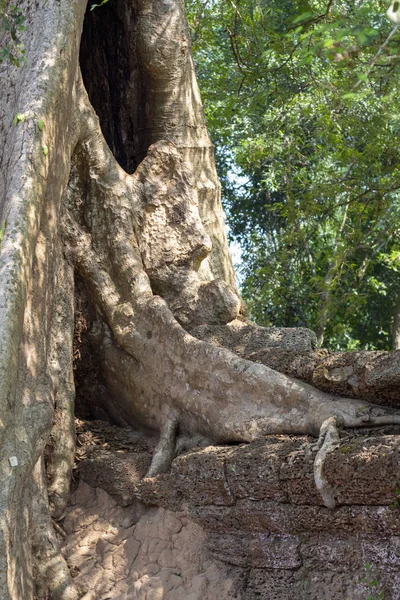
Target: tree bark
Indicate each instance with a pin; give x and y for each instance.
(135, 237)
(373, 376)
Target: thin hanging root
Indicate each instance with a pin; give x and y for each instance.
(164, 453)
(327, 442)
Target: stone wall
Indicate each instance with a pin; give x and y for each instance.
(239, 522)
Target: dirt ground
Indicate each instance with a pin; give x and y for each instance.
(133, 552)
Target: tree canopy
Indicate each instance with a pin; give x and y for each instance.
(302, 104)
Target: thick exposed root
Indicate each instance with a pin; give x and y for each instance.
(159, 369)
(372, 376)
(164, 452)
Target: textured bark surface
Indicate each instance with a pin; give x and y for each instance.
(36, 297)
(136, 256)
(153, 95)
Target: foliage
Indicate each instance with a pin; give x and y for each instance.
(2, 230)
(11, 25)
(301, 102)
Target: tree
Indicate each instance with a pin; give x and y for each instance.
(307, 136)
(140, 263)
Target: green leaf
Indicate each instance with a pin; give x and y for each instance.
(3, 230)
(329, 43)
(97, 5)
(45, 150)
(303, 17)
(362, 37)
(19, 118)
(349, 96)
(40, 124)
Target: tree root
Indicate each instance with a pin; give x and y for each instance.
(328, 441)
(164, 452)
(150, 363)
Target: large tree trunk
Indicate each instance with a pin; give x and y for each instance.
(130, 243)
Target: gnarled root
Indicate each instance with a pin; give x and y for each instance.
(328, 441)
(151, 365)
